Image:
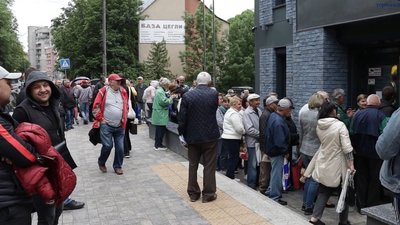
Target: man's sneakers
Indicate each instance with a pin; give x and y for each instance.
(161, 148)
(74, 205)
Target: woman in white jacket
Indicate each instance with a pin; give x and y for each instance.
(329, 165)
(232, 135)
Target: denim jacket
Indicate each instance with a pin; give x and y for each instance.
(388, 149)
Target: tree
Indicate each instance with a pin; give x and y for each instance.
(238, 68)
(193, 57)
(77, 34)
(12, 56)
(157, 62)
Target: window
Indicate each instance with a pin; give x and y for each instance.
(279, 2)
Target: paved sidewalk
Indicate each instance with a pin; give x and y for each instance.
(152, 190)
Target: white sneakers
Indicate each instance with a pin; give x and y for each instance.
(160, 148)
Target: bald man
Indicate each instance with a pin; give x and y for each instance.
(366, 127)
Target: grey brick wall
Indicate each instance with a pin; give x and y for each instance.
(265, 12)
(267, 71)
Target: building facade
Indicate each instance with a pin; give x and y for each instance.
(41, 54)
(306, 46)
(169, 13)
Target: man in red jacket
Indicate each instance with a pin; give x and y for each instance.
(15, 204)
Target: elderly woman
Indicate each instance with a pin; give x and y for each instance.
(232, 135)
(159, 117)
(309, 144)
(361, 102)
(334, 156)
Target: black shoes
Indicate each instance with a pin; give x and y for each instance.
(74, 205)
(209, 199)
(308, 211)
(318, 222)
(280, 201)
(194, 198)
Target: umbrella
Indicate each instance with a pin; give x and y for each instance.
(80, 78)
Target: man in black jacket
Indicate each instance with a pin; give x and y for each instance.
(41, 107)
(15, 204)
(198, 125)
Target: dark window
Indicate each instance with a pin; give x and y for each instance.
(279, 2)
(280, 54)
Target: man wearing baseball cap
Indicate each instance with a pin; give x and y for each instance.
(110, 109)
(277, 142)
(16, 205)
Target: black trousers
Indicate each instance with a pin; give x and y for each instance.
(16, 215)
(160, 132)
(368, 186)
(127, 139)
(231, 148)
(209, 153)
(47, 214)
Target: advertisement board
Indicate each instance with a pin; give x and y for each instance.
(173, 32)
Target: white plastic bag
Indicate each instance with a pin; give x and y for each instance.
(131, 112)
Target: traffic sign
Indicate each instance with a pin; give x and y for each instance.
(65, 64)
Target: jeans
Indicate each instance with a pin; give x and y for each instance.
(85, 111)
(252, 168)
(231, 147)
(310, 192)
(160, 132)
(275, 184)
(138, 110)
(219, 155)
(69, 117)
(107, 134)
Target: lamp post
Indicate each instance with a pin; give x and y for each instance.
(213, 46)
(104, 39)
(204, 36)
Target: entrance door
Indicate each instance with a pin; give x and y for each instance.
(371, 70)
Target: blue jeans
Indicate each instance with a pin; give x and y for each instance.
(85, 111)
(107, 134)
(220, 157)
(310, 192)
(69, 117)
(231, 148)
(252, 168)
(275, 184)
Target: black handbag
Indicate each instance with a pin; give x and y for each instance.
(64, 152)
(94, 136)
(133, 128)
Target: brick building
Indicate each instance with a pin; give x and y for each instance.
(305, 46)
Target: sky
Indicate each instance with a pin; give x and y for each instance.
(40, 12)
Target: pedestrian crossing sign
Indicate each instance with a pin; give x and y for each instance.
(65, 64)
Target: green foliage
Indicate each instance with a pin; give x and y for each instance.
(77, 34)
(193, 57)
(157, 62)
(238, 68)
(12, 56)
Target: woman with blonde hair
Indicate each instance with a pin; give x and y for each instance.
(232, 135)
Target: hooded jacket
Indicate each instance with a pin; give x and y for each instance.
(329, 165)
(30, 111)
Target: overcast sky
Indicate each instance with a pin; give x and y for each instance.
(40, 12)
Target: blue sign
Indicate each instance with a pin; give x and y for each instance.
(65, 64)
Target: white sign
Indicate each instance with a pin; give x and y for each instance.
(374, 72)
(371, 81)
(173, 32)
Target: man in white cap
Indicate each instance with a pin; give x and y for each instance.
(277, 142)
(16, 205)
(251, 119)
(270, 106)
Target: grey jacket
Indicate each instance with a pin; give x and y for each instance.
(251, 125)
(388, 149)
(309, 142)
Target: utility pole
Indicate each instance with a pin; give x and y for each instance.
(204, 36)
(104, 39)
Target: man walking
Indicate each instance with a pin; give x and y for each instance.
(198, 125)
(111, 109)
(276, 142)
(68, 102)
(140, 87)
(41, 107)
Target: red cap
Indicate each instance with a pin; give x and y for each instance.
(114, 76)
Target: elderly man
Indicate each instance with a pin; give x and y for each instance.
(111, 110)
(344, 115)
(251, 117)
(198, 125)
(140, 87)
(277, 142)
(366, 127)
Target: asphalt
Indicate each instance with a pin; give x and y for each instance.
(152, 191)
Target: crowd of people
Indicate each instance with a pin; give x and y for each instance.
(228, 131)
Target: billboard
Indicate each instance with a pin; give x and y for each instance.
(173, 32)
